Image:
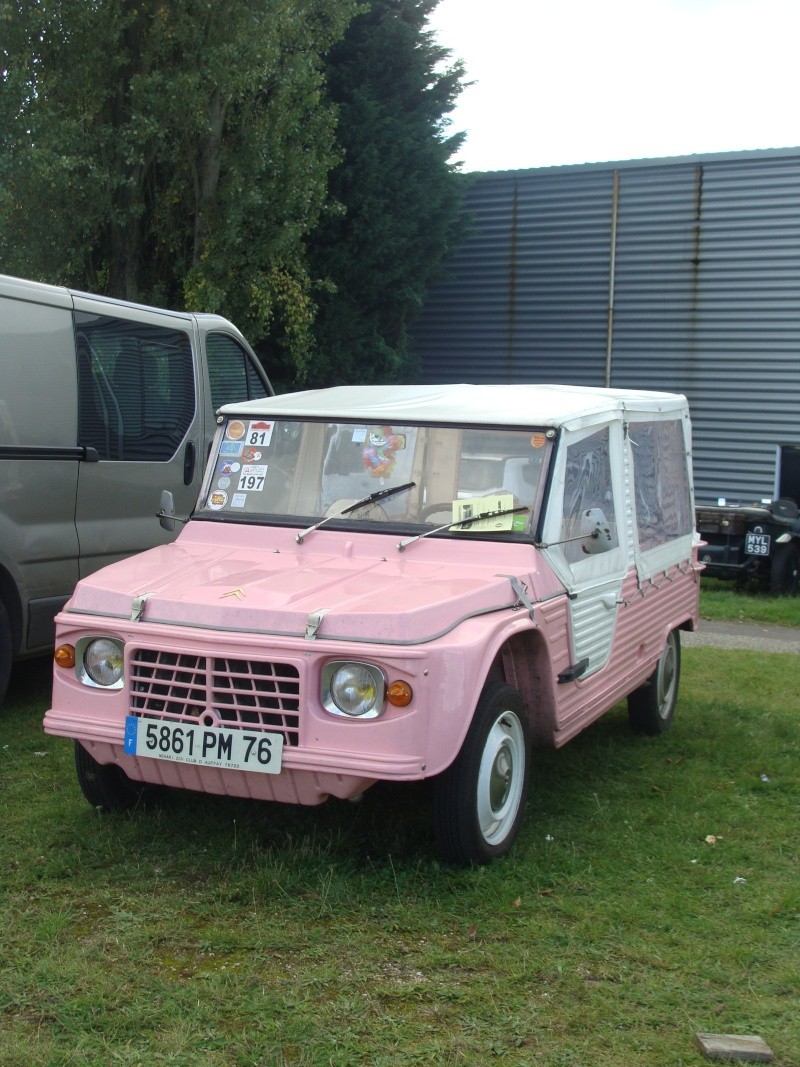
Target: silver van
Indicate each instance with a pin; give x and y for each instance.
(102, 405)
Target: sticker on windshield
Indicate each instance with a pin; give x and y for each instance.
(250, 455)
(259, 433)
(230, 448)
(238, 500)
(235, 430)
(227, 467)
(217, 500)
(252, 478)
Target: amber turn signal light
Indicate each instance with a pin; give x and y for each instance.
(399, 694)
(64, 656)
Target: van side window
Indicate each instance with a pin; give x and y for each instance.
(587, 484)
(136, 396)
(231, 372)
(661, 482)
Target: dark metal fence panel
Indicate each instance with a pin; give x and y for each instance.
(525, 296)
(704, 257)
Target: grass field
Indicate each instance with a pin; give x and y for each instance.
(722, 600)
(653, 893)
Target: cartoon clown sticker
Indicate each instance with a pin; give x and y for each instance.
(380, 450)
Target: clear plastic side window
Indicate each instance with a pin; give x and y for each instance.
(587, 486)
(661, 482)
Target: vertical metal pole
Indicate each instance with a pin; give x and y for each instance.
(612, 270)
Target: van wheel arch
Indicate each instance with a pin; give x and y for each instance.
(6, 650)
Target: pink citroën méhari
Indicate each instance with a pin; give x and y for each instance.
(390, 584)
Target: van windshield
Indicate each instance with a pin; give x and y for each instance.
(296, 473)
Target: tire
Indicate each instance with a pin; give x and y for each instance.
(479, 801)
(6, 651)
(651, 707)
(105, 786)
(785, 569)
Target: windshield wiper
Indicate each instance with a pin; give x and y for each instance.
(401, 545)
(382, 494)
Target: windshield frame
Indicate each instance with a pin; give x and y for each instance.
(435, 527)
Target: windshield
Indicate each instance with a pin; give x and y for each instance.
(299, 473)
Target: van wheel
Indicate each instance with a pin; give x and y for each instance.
(105, 786)
(479, 800)
(651, 707)
(783, 575)
(6, 651)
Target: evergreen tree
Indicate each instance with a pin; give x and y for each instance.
(396, 196)
(171, 151)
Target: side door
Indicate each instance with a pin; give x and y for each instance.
(588, 489)
(39, 461)
(139, 408)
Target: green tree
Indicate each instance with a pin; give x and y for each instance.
(396, 195)
(172, 151)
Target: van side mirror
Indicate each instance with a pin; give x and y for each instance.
(166, 516)
(595, 532)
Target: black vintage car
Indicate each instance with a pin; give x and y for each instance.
(759, 541)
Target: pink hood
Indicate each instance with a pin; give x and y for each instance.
(258, 578)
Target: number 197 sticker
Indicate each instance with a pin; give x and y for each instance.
(252, 478)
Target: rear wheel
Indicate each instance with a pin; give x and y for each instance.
(784, 571)
(651, 707)
(479, 800)
(105, 786)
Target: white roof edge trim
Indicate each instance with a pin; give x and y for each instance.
(503, 405)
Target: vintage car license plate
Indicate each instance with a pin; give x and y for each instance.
(756, 544)
(205, 746)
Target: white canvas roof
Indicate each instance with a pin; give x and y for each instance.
(512, 405)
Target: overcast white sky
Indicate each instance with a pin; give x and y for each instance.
(585, 81)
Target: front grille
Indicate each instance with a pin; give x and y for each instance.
(242, 692)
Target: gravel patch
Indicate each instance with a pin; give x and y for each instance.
(756, 638)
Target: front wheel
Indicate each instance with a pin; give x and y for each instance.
(651, 707)
(479, 800)
(105, 786)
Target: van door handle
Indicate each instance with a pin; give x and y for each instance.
(188, 464)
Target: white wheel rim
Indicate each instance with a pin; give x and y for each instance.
(501, 777)
(667, 676)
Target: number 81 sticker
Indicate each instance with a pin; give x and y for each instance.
(252, 478)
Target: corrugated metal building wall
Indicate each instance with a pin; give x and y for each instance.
(678, 274)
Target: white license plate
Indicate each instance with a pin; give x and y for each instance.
(204, 746)
(756, 544)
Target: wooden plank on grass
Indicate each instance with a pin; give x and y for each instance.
(734, 1047)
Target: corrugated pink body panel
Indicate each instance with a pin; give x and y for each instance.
(644, 619)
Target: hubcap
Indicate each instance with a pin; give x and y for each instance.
(667, 670)
(501, 778)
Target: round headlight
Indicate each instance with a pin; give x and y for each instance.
(103, 661)
(357, 689)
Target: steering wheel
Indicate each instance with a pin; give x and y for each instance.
(431, 509)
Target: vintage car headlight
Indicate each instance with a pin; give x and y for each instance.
(353, 689)
(100, 662)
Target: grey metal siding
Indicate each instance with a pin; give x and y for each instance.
(705, 300)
